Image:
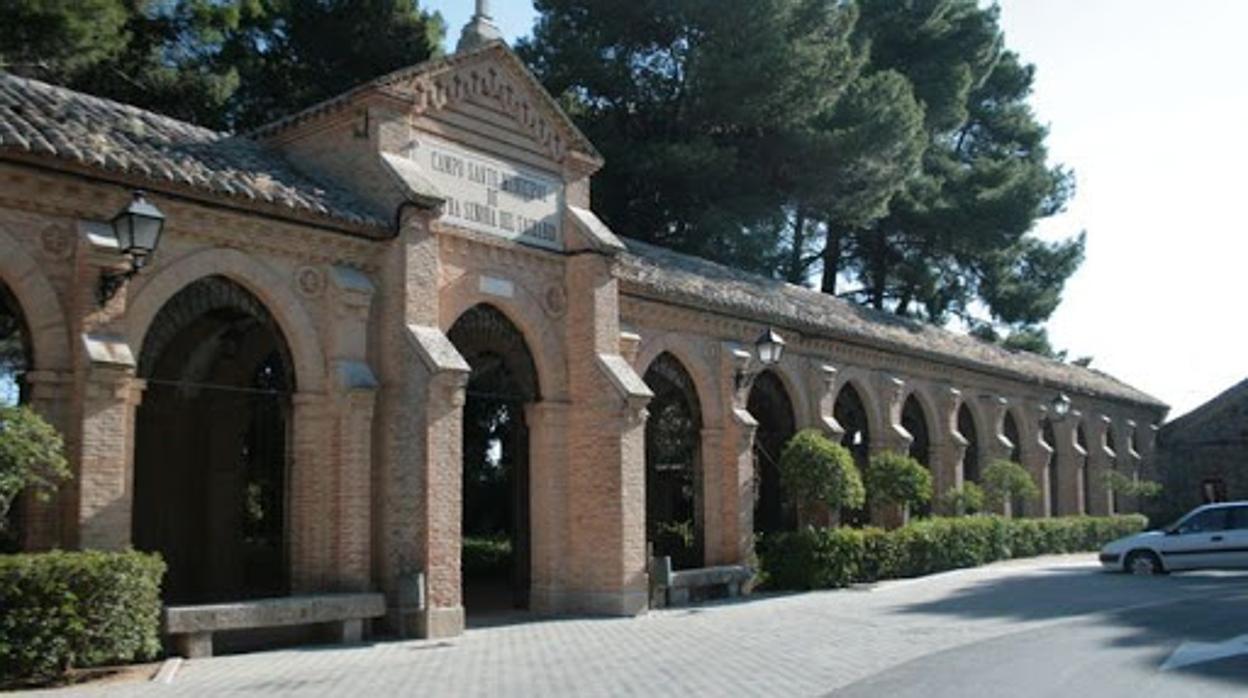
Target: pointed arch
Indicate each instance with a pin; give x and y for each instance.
(269, 288)
(770, 405)
(41, 306)
(674, 498)
(916, 419)
(969, 428)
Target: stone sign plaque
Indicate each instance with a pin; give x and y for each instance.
(493, 196)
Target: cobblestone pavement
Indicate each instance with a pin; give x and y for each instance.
(790, 645)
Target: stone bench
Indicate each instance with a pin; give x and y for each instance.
(680, 585)
(191, 627)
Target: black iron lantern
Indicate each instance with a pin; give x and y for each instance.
(770, 347)
(1060, 406)
(137, 228)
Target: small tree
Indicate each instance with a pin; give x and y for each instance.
(32, 456)
(817, 471)
(966, 500)
(895, 478)
(1124, 485)
(1007, 481)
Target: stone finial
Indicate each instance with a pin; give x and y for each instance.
(480, 30)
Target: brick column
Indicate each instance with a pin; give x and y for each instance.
(994, 445)
(1035, 454)
(51, 395)
(105, 477)
(1127, 461)
(311, 494)
(417, 427)
(890, 437)
(1100, 463)
(948, 446)
(1069, 461)
(548, 499)
(353, 424)
(604, 567)
(729, 484)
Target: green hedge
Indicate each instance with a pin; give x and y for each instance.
(835, 557)
(76, 609)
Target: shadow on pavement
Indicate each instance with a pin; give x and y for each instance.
(1159, 612)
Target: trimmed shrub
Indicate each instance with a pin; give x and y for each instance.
(895, 478)
(63, 610)
(1007, 481)
(818, 471)
(835, 557)
(965, 500)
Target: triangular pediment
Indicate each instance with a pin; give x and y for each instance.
(494, 78)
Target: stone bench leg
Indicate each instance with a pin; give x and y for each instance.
(734, 589)
(193, 645)
(347, 632)
(677, 596)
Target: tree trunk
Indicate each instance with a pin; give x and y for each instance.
(831, 259)
(795, 269)
(879, 268)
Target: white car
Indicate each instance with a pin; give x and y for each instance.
(1212, 536)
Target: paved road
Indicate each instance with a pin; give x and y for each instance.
(1044, 627)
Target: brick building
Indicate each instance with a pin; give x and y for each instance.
(348, 303)
(1202, 456)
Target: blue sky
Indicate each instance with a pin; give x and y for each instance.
(1147, 101)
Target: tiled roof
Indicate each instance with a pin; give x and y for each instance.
(48, 121)
(689, 280)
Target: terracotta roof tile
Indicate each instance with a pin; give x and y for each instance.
(46, 120)
(694, 281)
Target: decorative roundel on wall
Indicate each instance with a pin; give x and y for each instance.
(56, 242)
(556, 300)
(310, 281)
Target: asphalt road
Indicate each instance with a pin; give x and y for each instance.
(1188, 638)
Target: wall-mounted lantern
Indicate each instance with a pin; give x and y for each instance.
(1060, 406)
(137, 228)
(769, 348)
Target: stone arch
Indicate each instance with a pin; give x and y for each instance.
(271, 289)
(691, 356)
(496, 453)
(788, 371)
(771, 406)
(919, 421)
(45, 317)
(1012, 432)
(843, 409)
(674, 467)
(525, 311)
(212, 444)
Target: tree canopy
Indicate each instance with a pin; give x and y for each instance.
(881, 149)
(230, 64)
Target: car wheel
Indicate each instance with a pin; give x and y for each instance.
(1144, 563)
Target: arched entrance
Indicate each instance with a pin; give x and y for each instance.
(851, 413)
(1050, 439)
(970, 457)
(211, 447)
(673, 464)
(770, 406)
(914, 421)
(15, 360)
(496, 535)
